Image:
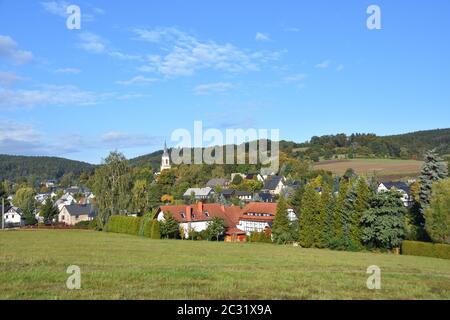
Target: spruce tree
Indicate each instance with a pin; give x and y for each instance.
(327, 204)
(339, 212)
(49, 211)
(308, 222)
(281, 229)
(361, 204)
(383, 225)
(434, 169)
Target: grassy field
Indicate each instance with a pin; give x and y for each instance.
(114, 266)
(387, 169)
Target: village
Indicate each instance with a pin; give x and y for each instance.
(242, 212)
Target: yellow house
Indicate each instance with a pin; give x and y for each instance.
(74, 213)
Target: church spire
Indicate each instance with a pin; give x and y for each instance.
(165, 160)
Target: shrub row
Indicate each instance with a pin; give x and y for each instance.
(139, 226)
(416, 248)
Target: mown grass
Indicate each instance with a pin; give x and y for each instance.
(114, 266)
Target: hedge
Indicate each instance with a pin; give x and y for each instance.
(436, 250)
(124, 224)
(139, 226)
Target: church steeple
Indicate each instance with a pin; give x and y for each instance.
(165, 160)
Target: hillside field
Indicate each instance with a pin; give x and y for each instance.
(33, 265)
(385, 169)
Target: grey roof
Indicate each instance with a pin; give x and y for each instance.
(228, 192)
(199, 192)
(216, 182)
(272, 182)
(266, 197)
(79, 209)
(397, 185)
(16, 209)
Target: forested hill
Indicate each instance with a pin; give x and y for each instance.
(42, 168)
(403, 146)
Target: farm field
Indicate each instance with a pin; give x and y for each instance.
(33, 265)
(387, 169)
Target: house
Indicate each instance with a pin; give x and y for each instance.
(266, 197)
(73, 190)
(218, 182)
(14, 217)
(196, 217)
(199, 193)
(258, 216)
(274, 185)
(244, 195)
(74, 213)
(401, 187)
(267, 172)
(228, 193)
(254, 176)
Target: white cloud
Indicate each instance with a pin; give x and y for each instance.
(295, 77)
(186, 54)
(47, 95)
(56, 7)
(340, 68)
(323, 65)
(137, 80)
(117, 139)
(262, 37)
(9, 50)
(124, 56)
(68, 70)
(92, 43)
(212, 88)
(291, 29)
(8, 78)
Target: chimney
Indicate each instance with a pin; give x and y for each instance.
(200, 207)
(188, 213)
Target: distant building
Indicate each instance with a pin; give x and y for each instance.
(74, 213)
(274, 184)
(401, 187)
(218, 182)
(165, 160)
(199, 193)
(14, 217)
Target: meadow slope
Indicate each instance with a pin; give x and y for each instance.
(114, 266)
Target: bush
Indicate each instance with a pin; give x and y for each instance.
(124, 224)
(154, 227)
(342, 244)
(416, 248)
(260, 237)
(94, 225)
(82, 225)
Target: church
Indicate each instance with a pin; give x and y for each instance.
(165, 160)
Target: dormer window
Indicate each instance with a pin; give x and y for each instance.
(193, 216)
(206, 213)
(183, 215)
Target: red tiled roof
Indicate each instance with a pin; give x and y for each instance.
(229, 214)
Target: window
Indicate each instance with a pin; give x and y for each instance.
(77, 217)
(183, 215)
(206, 213)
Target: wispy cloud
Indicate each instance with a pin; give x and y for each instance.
(323, 65)
(295, 77)
(68, 70)
(21, 138)
(92, 43)
(47, 95)
(183, 54)
(9, 50)
(208, 88)
(291, 29)
(137, 80)
(8, 78)
(59, 8)
(340, 68)
(262, 37)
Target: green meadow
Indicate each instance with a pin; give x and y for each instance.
(33, 265)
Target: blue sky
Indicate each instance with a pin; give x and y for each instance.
(138, 70)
